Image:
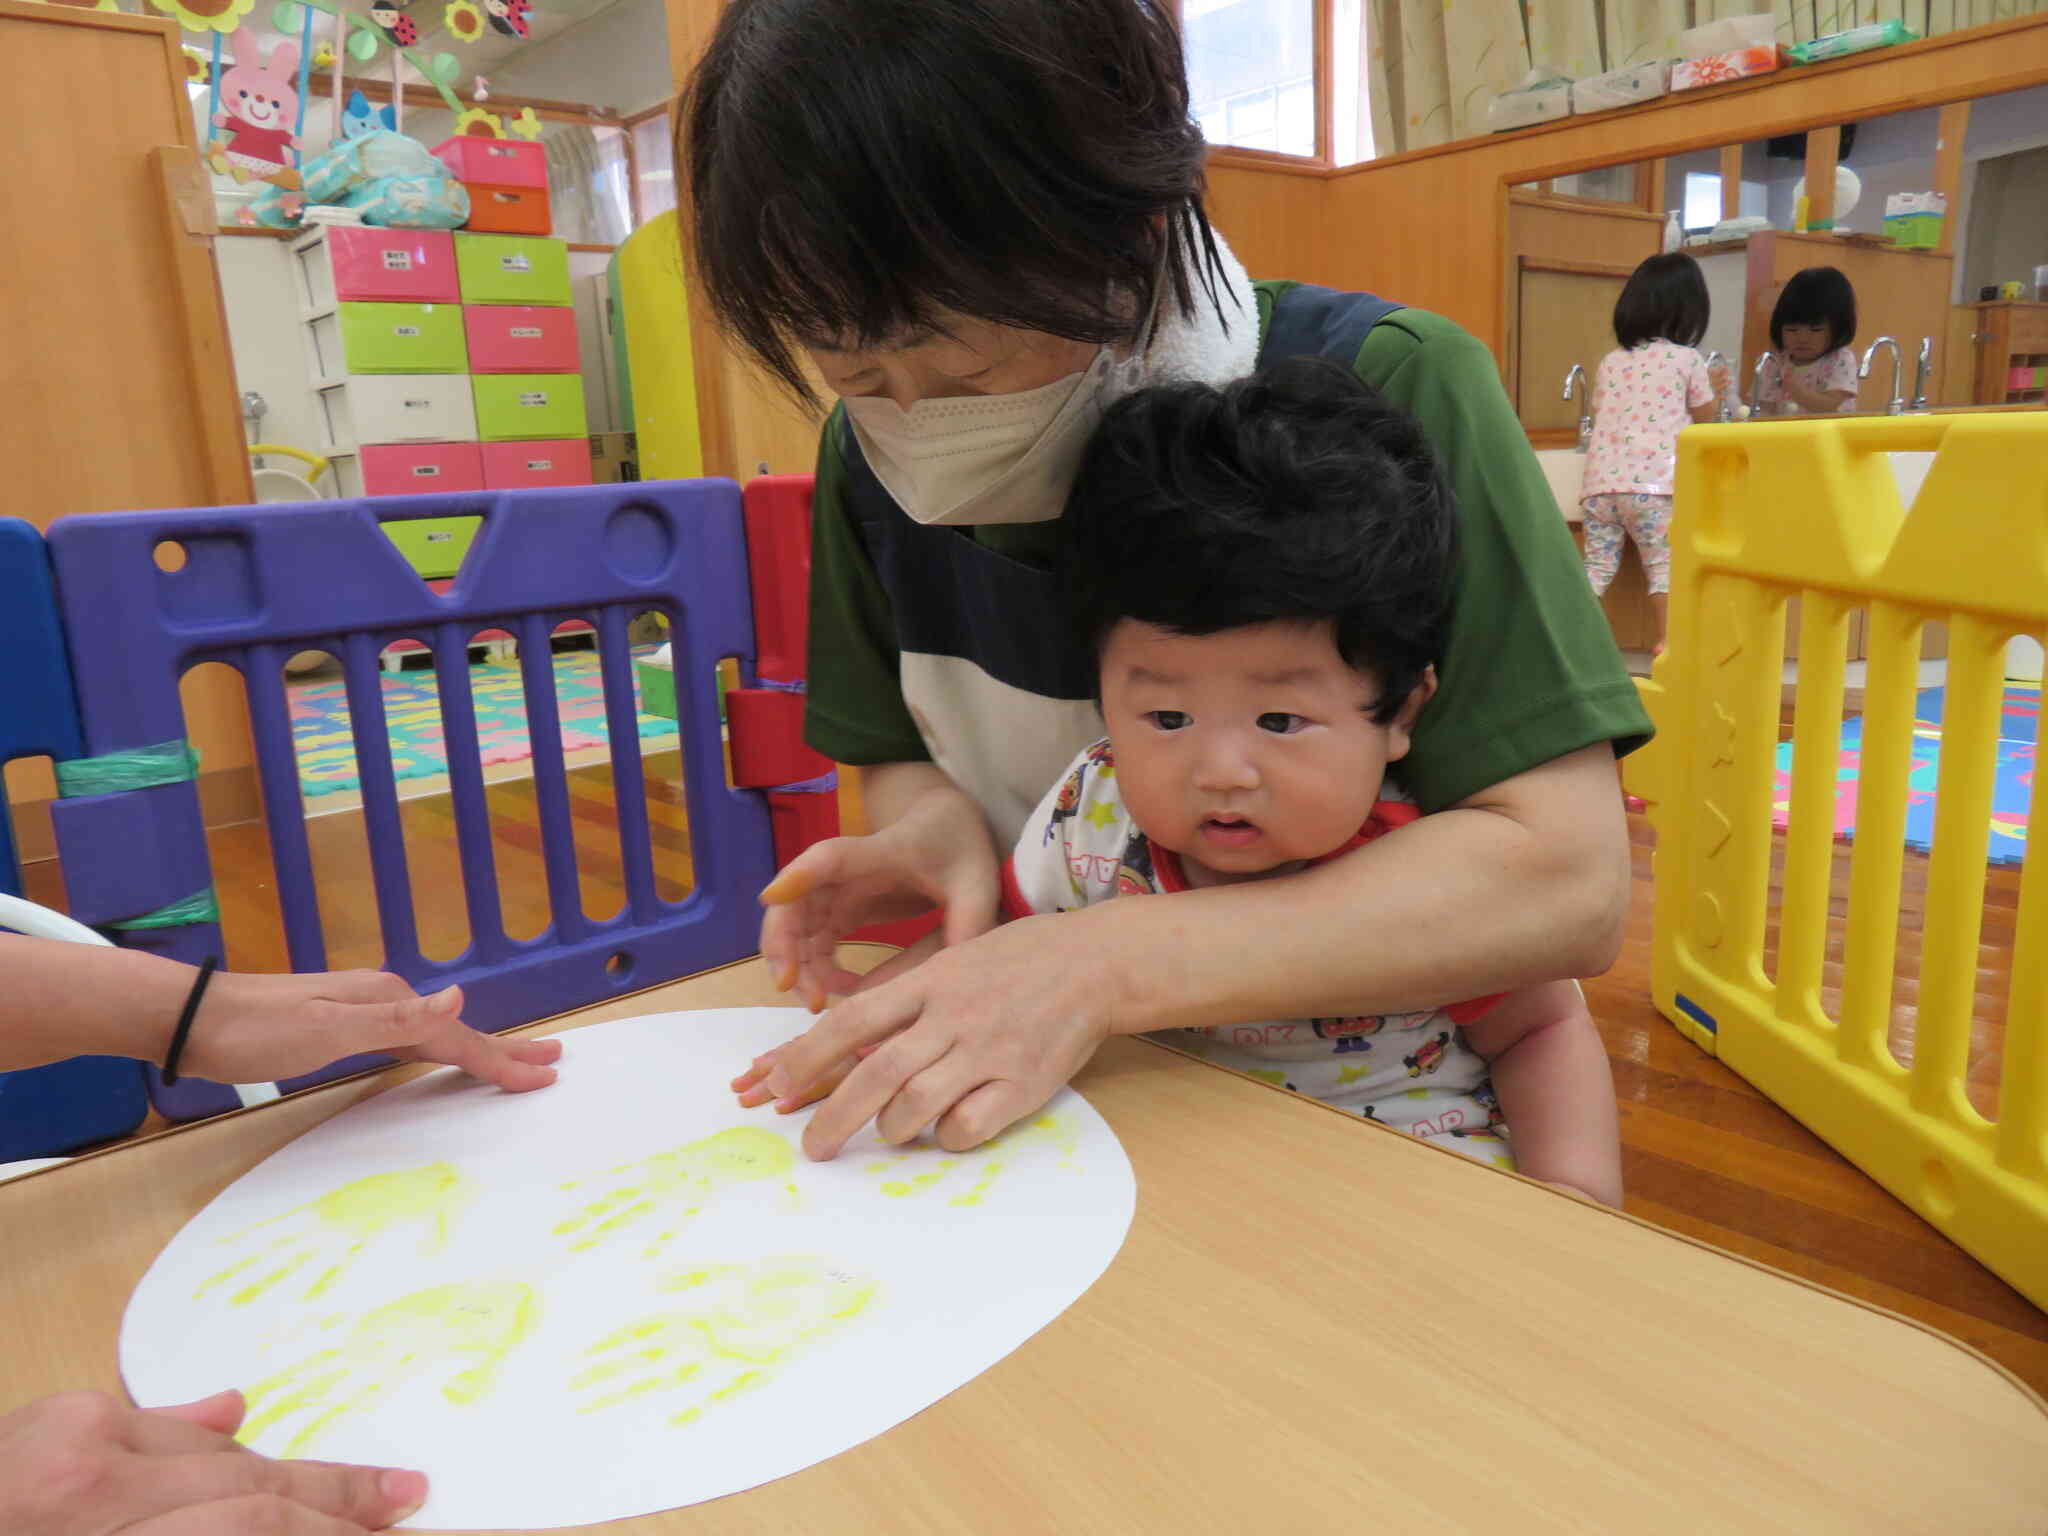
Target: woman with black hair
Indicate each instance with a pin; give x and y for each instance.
(1813, 367)
(982, 221)
(1645, 391)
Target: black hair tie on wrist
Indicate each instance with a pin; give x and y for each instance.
(185, 1018)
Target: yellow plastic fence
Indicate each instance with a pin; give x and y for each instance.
(1772, 511)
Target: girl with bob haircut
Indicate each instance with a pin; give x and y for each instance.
(1646, 390)
(1813, 367)
(982, 222)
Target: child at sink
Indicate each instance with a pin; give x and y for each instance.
(1811, 367)
(1647, 389)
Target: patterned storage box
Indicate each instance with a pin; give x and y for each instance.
(1720, 68)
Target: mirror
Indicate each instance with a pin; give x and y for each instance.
(1752, 224)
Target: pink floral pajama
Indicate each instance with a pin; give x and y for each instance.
(1645, 518)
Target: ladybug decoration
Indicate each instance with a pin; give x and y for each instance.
(514, 18)
(394, 23)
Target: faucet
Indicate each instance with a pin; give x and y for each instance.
(1923, 370)
(1576, 379)
(1724, 408)
(1756, 384)
(1897, 406)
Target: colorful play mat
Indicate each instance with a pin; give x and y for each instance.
(2019, 732)
(325, 743)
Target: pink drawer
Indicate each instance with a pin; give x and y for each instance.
(550, 461)
(404, 469)
(495, 162)
(377, 264)
(521, 338)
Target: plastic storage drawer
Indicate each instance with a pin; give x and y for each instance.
(387, 338)
(521, 338)
(375, 264)
(509, 210)
(550, 461)
(494, 162)
(512, 269)
(396, 408)
(515, 407)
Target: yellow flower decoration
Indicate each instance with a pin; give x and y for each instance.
(197, 69)
(526, 125)
(323, 56)
(464, 22)
(206, 15)
(477, 121)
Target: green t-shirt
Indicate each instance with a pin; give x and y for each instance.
(1531, 672)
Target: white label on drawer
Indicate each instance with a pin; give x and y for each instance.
(534, 397)
(500, 151)
(516, 262)
(419, 405)
(442, 537)
(525, 332)
(540, 464)
(405, 330)
(398, 261)
(426, 471)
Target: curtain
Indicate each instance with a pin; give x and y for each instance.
(1434, 65)
(586, 182)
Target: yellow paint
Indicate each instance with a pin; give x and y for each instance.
(467, 1329)
(677, 1183)
(1352, 1074)
(987, 1160)
(333, 1231)
(742, 1324)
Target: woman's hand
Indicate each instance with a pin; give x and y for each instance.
(971, 1041)
(936, 853)
(255, 1028)
(84, 1464)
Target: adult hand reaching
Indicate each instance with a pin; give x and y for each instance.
(971, 1041)
(85, 1464)
(935, 851)
(252, 1028)
(73, 999)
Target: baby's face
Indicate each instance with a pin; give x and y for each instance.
(1248, 751)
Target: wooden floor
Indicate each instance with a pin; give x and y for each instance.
(1704, 1153)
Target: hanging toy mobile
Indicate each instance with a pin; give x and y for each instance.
(391, 20)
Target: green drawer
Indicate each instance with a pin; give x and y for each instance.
(391, 338)
(434, 545)
(511, 407)
(512, 269)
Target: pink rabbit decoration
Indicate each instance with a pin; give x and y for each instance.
(258, 109)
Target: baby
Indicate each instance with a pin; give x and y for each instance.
(1265, 574)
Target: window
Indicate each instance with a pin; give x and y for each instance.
(1703, 200)
(653, 156)
(1252, 72)
(1257, 70)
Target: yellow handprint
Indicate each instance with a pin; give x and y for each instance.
(742, 1321)
(472, 1327)
(988, 1160)
(676, 1184)
(333, 1230)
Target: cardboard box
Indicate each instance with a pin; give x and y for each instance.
(614, 458)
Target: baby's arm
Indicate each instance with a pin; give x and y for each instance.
(1556, 1093)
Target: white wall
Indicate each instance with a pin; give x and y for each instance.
(617, 58)
(267, 338)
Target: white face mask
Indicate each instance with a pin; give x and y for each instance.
(989, 458)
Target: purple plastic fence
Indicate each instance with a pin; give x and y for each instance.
(261, 583)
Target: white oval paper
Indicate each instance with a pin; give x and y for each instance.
(578, 1347)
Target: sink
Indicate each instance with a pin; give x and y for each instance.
(1565, 469)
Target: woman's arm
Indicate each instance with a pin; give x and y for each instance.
(64, 1000)
(1524, 882)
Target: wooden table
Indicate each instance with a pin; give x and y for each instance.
(1315, 1324)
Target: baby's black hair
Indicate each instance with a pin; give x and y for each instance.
(859, 169)
(1816, 296)
(1297, 494)
(1664, 299)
